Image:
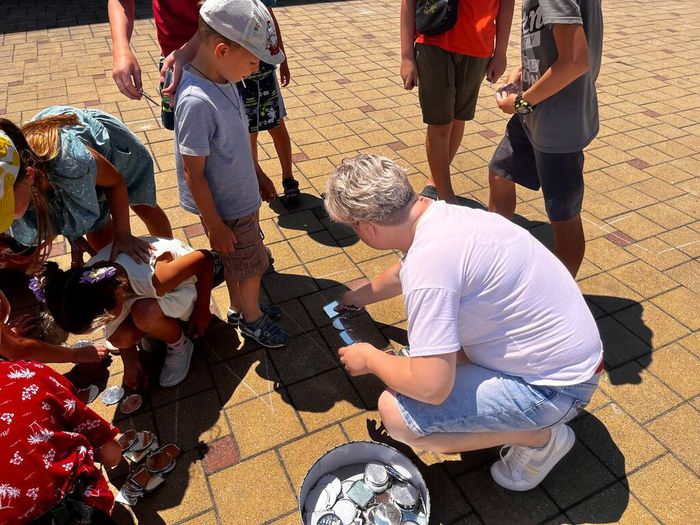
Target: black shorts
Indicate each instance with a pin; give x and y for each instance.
(263, 99)
(560, 175)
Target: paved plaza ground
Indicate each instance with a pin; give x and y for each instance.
(252, 421)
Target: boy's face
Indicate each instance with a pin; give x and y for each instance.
(235, 62)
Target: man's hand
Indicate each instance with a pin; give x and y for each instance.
(409, 73)
(506, 101)
(138, 249)
(349, 301)
(355, 358)
(222, 239)
(126, 73)
(496, 67)
(285, 75)
(267, 188)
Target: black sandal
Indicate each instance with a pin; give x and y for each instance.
(291, 189)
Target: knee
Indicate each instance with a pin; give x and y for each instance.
(440, 131)
(392, 419)
(145, 313)
(124, 337)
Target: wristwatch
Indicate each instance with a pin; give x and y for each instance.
(522, 106)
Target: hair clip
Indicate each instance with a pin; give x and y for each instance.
(95, 275)
(36, 285)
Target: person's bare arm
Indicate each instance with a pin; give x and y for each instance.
(221, 237)
(114, 185)
(384, 286)
(176, 61)
(14, 347)
(428, 379)
(409, 68)
(572, 62)
(504, 20)
(285, 75)
(125, 68)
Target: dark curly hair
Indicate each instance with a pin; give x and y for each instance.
(80, 307)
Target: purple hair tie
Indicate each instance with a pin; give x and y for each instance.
(96, 275)
(36, 285)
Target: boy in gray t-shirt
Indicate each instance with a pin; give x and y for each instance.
(554, 100)
(216, 176)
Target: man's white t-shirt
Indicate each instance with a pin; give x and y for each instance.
(474, 280)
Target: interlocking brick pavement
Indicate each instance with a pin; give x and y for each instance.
(252, 421)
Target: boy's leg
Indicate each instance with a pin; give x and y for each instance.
(437, 146)
(512, 162)
(254, 150)
(155, 220)
(561, 175)
(241, 298)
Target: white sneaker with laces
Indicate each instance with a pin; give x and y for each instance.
(523, 468)
(177, 364)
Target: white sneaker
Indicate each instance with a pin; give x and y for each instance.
(523, 468)
(177, 364)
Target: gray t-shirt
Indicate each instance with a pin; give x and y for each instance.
(210, 121)
(567, 121)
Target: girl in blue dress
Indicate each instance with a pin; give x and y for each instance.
(81, 171)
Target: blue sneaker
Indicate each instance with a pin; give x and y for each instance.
(274, 311)
(265, 331)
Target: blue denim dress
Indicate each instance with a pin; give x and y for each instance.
(78, 206)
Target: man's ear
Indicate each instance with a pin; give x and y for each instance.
(221, 49)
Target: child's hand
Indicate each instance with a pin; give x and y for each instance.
(516, 77)
(23, 325)
(88, 354)
(267, 188)
(199, 321)
(285, 75)
(409, 73)
(496, 67)
(355, 358)
(222, 239)
(506, 101)
(138, 249)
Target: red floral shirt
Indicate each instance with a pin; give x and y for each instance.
(47, 439)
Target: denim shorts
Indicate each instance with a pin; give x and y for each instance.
(483, 400)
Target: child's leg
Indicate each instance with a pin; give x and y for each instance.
(155, 220)
(245, 297)
(254, 150)
(125, 338)
(283, 146)
(501, 195)
(149, 318)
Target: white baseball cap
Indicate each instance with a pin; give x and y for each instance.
(246, 22)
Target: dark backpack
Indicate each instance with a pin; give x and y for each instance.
(435, 16)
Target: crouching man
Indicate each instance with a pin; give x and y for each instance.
(503, 349)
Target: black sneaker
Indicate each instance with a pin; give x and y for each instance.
(265, 331)
(430, 192)
(291, 189)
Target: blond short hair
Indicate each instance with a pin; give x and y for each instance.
(369, 188)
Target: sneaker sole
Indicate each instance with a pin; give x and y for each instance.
(559, 455)
(251, 336)
(184, 376)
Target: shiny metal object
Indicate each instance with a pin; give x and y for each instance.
(325, 518)
(376, 477)
(341, 323)
(346, 510)
(404, 495)
(112, 395)
(131, 404)
(384, 514)
(82, 343)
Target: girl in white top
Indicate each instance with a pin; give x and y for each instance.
(132, 299)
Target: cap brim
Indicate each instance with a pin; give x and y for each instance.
(265, 56)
